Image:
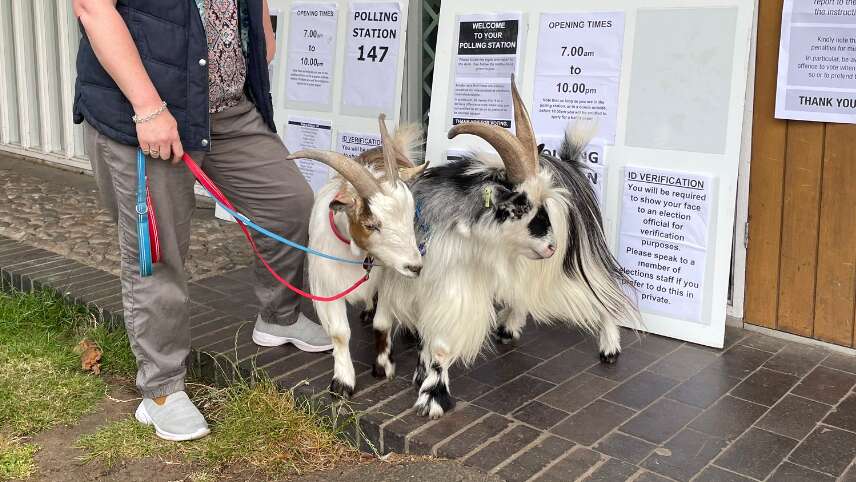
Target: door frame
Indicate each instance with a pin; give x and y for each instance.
(737, 290)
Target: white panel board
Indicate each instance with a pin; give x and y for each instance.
(343, 118)
(679, 109)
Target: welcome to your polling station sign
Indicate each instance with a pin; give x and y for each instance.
(661, 83)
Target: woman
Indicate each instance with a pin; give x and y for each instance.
(169, 76)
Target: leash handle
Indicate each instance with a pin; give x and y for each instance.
(142, 209)
(221, 199)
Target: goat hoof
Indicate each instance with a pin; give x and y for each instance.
(380, 371)
(434, 407)
(504, 336)
(341, 390)
(609, 359)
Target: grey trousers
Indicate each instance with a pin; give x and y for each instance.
(247, 161)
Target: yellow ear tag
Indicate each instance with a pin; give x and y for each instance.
(487, 195)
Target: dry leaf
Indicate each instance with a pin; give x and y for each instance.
(90, 356)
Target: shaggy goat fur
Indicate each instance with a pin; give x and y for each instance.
(475, 225)
(582, 285)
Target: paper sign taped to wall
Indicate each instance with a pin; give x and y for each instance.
(302, 133)
(663, 240)
(486, 56)
(371, 56)
(817, 62)
(352, 144)
(577, 72)
(311, 53)
(592, 159)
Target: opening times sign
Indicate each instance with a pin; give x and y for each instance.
(577, 72)
(817, 61)
(311, 50)
(663, 240)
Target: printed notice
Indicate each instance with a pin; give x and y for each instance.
(591, 157)
(487, 55)
(577, 72)
(352, 144)
(302, 134)
(663, 241)
(817, 61)
(371, 63)
(310, 53)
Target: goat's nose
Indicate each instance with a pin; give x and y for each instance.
(413, 268)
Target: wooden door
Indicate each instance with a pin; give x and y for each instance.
(801, 258)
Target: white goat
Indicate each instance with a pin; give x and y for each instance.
(371, 208)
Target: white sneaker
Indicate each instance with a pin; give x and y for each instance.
(305, 334)
(177, 419)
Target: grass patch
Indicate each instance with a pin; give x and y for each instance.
(37, 393)
(252, 426)
(16, 459)
(43, 324)
(124, 440)
(41, 382)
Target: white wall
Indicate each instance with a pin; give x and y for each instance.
(38, 46)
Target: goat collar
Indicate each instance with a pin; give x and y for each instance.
(341, 237)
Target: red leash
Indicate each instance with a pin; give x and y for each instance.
(341, 237)
(214, 191)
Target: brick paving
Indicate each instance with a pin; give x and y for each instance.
(543, 409)
(59, 211)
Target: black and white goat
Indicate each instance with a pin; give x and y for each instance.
(368, 210)
(476, 217)
(583, 285)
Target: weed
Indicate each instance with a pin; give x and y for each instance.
(16, 459)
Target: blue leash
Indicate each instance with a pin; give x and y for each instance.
(279, 238)
(144, 243)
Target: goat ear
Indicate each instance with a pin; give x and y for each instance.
(502, 195)
(409, 173)
(343, 200)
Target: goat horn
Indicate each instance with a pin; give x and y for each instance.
(523, 128)
(362, 180)
(389, 152)
(509, 148)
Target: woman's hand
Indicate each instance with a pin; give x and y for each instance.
(118, 54)
(159, 136)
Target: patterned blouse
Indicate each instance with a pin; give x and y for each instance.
(227, 68)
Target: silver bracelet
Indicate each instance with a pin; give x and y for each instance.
(139, 120)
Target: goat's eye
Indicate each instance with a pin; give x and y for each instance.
(372, 226)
